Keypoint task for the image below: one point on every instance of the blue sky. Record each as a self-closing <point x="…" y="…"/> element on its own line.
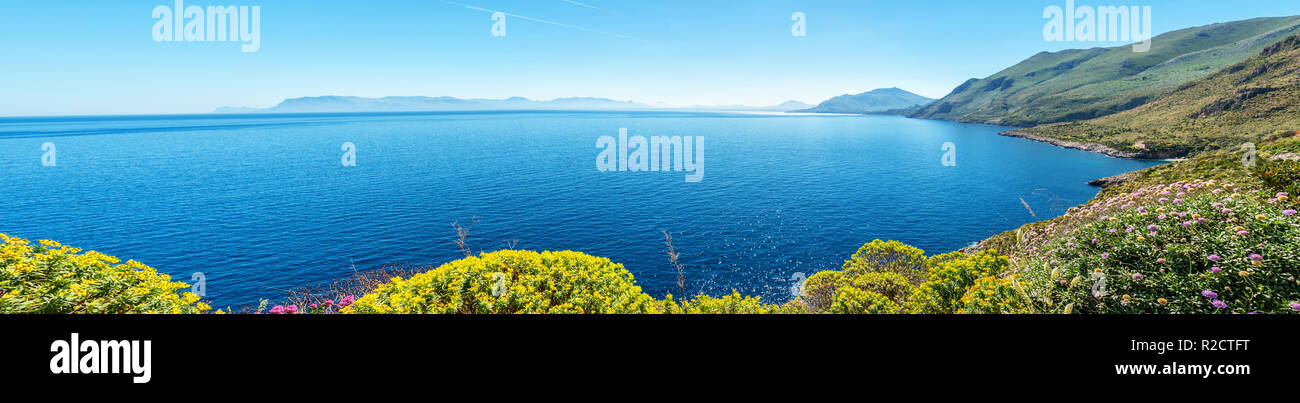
<point x="99" y="57"/>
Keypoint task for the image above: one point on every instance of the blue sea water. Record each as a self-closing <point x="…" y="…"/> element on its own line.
<point x="262" y="203"/>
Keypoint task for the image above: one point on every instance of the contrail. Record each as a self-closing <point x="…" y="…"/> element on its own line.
<point x="543" y="21"/>
<point x="582" y="5"/>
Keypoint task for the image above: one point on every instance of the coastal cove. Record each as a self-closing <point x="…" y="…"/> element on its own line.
<point x="261" y="204"/>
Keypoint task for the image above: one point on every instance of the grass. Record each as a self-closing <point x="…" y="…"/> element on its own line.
<point x="1252" y="101"/>
<point x="1082" y="84"/>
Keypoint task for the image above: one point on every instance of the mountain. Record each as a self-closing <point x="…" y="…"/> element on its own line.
<point x="332" y="103"/>
<point x="1255" y="100"/>
<point x="782" y="107"/>
<point x="877" y="100"/>
<point x="1082" y="84"/>
<point x="786" y="106"/>
<point x="417" y="104"/>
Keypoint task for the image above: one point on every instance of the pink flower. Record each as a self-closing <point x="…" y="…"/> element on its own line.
<point x="291" y="309"/>
<point x="1219" y="304"/>
<point x="1216" y="269"/>
<point x="1295" y="306"/>
<point x="278" y="310"/>
<point x="1160" y="260"/>
<point x="1288" y="212"/>
<point x="1214" y="258"/>
<point x="1256" y="257"/>
<point x="1137" y="276"/>
<point x="1243" y="232"/>
<point x="1209" y="294"/>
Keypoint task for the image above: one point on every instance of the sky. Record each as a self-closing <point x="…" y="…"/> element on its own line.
<point x="97" y="57"/>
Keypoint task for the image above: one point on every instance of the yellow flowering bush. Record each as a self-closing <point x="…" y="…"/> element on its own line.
<point x="890" y="277"/>
<point x="733" y="303"/>
<point x="948" y="282"/>
<point x="888" y="257"/>
<point x="52" y="278"/>
<point x="993" y="295"/>
<point x="513" y="281"/>
<point x="852" y="300"/>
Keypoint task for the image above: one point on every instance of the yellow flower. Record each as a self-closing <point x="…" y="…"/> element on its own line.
<point x="1162" y="301"/>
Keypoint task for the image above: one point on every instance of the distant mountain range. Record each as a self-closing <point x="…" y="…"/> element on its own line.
<point x="877" y="100"/>
<point x="335" y="104"/>
<point x="1081" y="84"/>
<point x="418" y="103"/>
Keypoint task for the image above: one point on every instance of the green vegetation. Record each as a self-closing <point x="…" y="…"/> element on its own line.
<point x="1252" y="101"/>
<point x="1212" y="206"/>
<point x="882" y="277"/>
<point x="877" y="100"/>
<point x="1082" y="84"/>
<point x="53" y="278"/>
<point x="1215" y="233"/>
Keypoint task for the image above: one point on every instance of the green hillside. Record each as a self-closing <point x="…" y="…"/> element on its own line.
<point x="1245" y="102"/>
<point x="877" y="100"/>
<point x="1082" y="84"/>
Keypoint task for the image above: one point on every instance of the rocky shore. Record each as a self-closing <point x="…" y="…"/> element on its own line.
<point x="1096" y="148"/>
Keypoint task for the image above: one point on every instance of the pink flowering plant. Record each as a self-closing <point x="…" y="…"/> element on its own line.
<point x="1219" y="249"/>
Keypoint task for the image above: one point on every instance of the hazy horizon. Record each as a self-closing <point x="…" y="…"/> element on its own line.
<point x="102" y="60"/>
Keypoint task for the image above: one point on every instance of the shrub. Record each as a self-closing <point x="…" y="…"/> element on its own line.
<point x="947" y="283"/>
<point x="733" y="303"/>
<point x="881" y="278"/>
<point x="511" y="281"/>
<point x="54" y="278"/>
<point x="879" y="269"/>
<point x="853" y="300"/>
<point x="1280" y="176"/>
<point x="888" y="257"/>
<point x="993" y="295"/>
<point x="1196" y="250"/>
